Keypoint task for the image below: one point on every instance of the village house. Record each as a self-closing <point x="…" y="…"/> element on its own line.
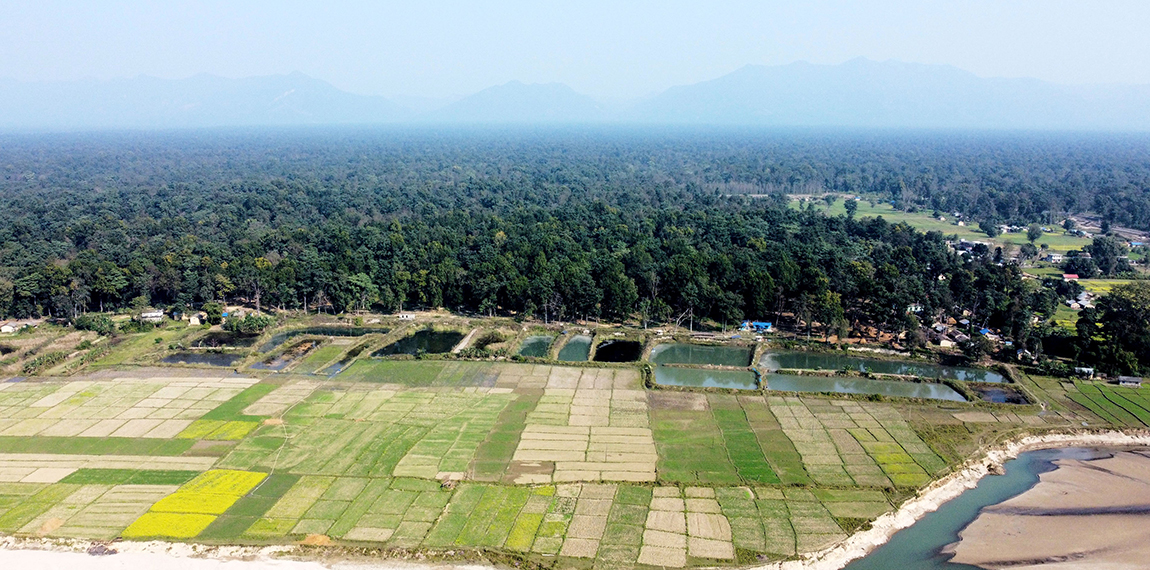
<point x="1130" y="381"/>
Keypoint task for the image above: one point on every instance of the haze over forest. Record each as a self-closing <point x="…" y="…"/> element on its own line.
<point x="859" y="93"/>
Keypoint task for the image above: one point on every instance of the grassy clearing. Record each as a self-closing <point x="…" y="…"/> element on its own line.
<point x="141" y="347"/>
<point x="409" y="373"/>
<point x="1057" y="241"/>
<point x="320" y="357"/>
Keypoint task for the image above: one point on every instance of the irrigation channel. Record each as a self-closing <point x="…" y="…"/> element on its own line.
<point x="919" y="546"/>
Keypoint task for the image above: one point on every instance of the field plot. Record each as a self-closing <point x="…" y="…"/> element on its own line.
<point x="190" y="509"/>
<point x="123" y="407"/>
<point x="586" y="434"/>
<point x="690" y="444"/>
<point x="367" y="430"/>
<point x="569" y="464"/>
<point x="1115" y="404"/>
<point x="845" y="443"/>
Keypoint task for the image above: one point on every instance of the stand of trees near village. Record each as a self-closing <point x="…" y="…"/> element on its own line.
<point x="614" y="225"/>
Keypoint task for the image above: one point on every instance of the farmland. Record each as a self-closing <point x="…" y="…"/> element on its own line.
<point x="579" y="465"/>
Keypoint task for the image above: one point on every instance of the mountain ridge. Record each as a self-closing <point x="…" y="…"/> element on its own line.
<point x="859" y="93"/>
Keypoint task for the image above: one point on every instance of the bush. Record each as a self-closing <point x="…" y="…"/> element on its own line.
<point x="44" y="361"/>
<point x="135" y="326"/>
<point x="249" y="325"/>
<point x="101" y="324"/>
<point x="214" y="313"/>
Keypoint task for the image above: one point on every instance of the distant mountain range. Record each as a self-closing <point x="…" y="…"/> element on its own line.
<point x="860" y="93"/>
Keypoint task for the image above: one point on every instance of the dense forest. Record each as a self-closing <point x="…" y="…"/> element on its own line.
<point x="616" y="225"/>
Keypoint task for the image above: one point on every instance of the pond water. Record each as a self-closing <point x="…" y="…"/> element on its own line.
<point x="619" y="351"/>
<point x="829" y="361"/>
<point x="216" y="339"/>
<point x="576" y="350"/>
<point x="343" y="362"/>
<point x="536" y="346"/>
<point x="705" y="378"/>
<point x="919" y="546"/>
<point x="282" y="360"/>
<point x="427" y="341"/>
<point x="683" y="353"/>
<point x="791" y="383"/>
<point x="1001" y="395"/>
<point x="279" y="338"/>
<point x="211" y="358"/>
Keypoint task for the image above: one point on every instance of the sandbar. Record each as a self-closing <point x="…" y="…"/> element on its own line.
<point x="1084" y="514"/>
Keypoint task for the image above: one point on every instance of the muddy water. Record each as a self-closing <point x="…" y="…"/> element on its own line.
<point x="427" y="341"/>
<point x="576" y="350"/>
<point x="211" y="358"/>
<point x="682" y="353"/>
<point x="535" y="346"/>
<point x="705" y="378"/>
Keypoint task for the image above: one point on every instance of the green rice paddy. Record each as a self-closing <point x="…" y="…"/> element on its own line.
<point x="576" y="466"/>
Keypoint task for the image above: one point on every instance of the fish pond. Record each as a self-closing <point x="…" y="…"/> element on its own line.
<point x="209" y="358"/>
<point x="619" y="351"/>
<point x="536" y="346"/>
<point x="705" y="378"/>
<point x="218" y="339"/>
<point x="280" y="338"/>
<point x="830" y="361"/>
<point x="919" y="547"/>
<point x="576" y="350"/>
<point x="282" y="360"/>
<point x="683" y="353"/>
<point x="928" y="390"/>
<point x="425" y="341"/>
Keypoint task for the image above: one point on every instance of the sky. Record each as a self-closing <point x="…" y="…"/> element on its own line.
<point x="609" y="49"/>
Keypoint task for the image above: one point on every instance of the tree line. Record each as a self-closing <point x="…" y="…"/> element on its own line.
<point x="558" y="226"/>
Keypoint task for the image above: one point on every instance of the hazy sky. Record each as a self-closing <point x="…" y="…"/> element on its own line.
<point x="611" y="49"/>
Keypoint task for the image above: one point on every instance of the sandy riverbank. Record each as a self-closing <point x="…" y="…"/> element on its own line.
<point x="1085" y="514"/>
<point x="934" y="495"/>
<point x="43" y="554"/>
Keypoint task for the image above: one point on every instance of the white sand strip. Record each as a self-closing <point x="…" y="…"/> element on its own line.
<point x="172" y="556"/>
